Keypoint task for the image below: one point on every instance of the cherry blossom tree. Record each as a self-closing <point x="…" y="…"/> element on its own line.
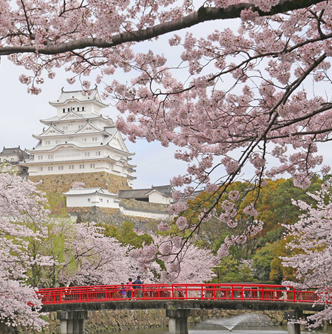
<point x="79" y="253"/>
<point x="311" y="237"/>
<point x="20" y="203"/>
<point x="91" y="258"/>
<point x="227" y="97"/>
<point x="182" y="262"/>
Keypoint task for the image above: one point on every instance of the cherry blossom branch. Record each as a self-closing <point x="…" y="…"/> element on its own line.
<point x="202" y="15"/>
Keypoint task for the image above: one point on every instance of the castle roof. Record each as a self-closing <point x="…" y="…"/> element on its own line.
<point x="79" y="96"/>
<point x="79" y="145"/>
<point x="15" y="151"/>
<point x="74" y="116"/>
<point x="89" y="191"/>
<point x="166" y="190"/>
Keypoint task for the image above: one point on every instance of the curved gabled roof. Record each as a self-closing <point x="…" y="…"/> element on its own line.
<point x="47" y="132"/>
<point x="85" y="127"/>
<point x="75" y="116"/>
<point x="89" y="191"/>
<point x="80" y="146"/>
<point x="91" y="95"/>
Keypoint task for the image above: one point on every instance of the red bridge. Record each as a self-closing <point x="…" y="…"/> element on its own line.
<point x="73" y="303"/>
<point x="102" y="293"/>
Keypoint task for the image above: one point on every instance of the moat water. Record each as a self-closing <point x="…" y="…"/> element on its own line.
<point x="240" y="324"/>
<point x="195" y="330"/>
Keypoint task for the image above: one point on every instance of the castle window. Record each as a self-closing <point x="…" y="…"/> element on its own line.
<point x="84" y="139"/>
<point x="82" y="108"/>
<point x="88" y="199"/>
<point x="41" y="169"/>
<point x="98" y="153"/>
<point x="50" y="156"/>
<point x="63" y="110"/>
<point x="68" y="109"/>
<point x="100" y="199"/>
<point x="40" y="157"/>
<point x="92" y="166"/>
<point x="94" y="138"/>
<point x="71" y="166"/>
<point x="60" y="167"/>
<point x="50" y="168"/>
<point x="81" y="166"/>
<point x="107" y="201"/>
<point x="78" y="108"/>
<point x="65" y="127"/>
<point x="87" y="154"/>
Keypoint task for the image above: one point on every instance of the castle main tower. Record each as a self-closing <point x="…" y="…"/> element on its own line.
<point x="80" y="144"/>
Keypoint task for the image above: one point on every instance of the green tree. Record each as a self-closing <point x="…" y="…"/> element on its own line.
<point x="126" y="234"/>
<point x="262" y="262"/>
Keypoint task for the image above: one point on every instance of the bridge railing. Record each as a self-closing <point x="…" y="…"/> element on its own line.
<point x="102" y="293"/>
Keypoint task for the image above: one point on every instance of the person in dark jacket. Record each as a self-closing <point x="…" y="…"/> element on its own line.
<point x="284" y="289"/>
<point x="138" y="286"/>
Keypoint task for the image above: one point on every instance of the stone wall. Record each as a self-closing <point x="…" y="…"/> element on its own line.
<point x="112" y="216"/>
<point x="132" y="203"/>
<point x="62" y="182"/>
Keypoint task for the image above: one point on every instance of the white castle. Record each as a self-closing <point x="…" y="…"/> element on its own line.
<point x="79" y="139"/>
<point x="79" y="144"/>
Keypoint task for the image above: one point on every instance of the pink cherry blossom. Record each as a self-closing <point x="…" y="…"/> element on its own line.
<point x="311" y="238"/>
<point x="163" y="227"/>
<point x="233" y="195"/>
<point x="250" y="210"/>
<point x="181" y="222"/>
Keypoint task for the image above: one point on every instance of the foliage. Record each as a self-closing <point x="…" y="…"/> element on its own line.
<point x="274" y="206"/>
<point x="126" y="235"/>
<point x="262" y="262"/>
<point x="56" y="204"/>
<point x="234" y="270"/>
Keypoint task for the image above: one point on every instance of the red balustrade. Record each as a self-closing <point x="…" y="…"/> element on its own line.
<point x="102" y="293"/>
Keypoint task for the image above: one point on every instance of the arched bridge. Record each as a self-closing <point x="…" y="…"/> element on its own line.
<point x="73" y="303"/>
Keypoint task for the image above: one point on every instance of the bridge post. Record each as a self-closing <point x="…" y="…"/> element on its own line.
<point x="291" y="316"/>
<point x="178" y="320"/>
<point x="293" y="328"/>
<point x="72" y="322"/>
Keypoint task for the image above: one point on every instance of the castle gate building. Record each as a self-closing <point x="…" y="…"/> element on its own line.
<point x="80" y="144"/>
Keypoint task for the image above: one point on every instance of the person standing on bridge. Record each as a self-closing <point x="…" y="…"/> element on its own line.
<point x="284" y="289"/>
<point x="129" y="288"/>
<point x="123" y="291"/>
<point x="138" y="286"/>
